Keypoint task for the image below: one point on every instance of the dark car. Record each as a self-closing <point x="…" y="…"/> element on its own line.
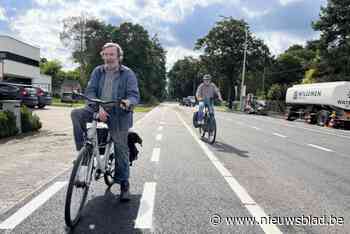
<point x="186" y="101"/>
<point x="191" y="100"/>
<point x="27" y="94"/>
<point x="68" y="97"/>
<point x="44" y="98"/>
<point x="182" y="101"/>
<point x="9" y="92"/>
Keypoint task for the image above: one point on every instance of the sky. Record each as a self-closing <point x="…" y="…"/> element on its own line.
<point x="178" y="23"/>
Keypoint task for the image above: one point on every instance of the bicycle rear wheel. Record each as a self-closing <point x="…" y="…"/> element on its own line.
<point x="109" y="175"/>
<point x="78" y="187"/>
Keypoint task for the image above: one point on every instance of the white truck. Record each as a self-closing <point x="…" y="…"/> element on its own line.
<point x="320" y="103"/>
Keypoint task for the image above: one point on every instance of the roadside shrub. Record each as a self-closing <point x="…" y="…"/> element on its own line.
<point x="7" y="124"/>
<point x="29" y="121"/>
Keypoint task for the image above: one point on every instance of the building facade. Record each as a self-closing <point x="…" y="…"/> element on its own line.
<point x="19" y="63"/>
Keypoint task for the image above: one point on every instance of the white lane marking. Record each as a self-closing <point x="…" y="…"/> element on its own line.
<point x="260" y="213"/>
<point x="160" y="128"/>
<point x="241" y="193"/>
<point x="162" y="123"/>
<point x="320" y="147"/>
<point x="159" y="137"/>
<point x="256" y="128"/>
<point x="223" y="171"/>
<point x="145" y="214"/>
<point x="279" y="135"/>
<point x="155" y="155"/>
<point x="30" y="207"/>
<point x="284" y="123"/>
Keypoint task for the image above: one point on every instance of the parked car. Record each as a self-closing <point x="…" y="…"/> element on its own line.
<point x="186" y="101"/>
<point x="44" y="98"/>
<point x="8" y="91"/>
<point x="182" y="101"/>
<point x="191" y="100"/>
<point x="27" y="94"/>
<point x="68" y="97"/>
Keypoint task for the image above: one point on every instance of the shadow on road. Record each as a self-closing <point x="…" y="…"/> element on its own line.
<point x="106" y="214"/>
<point x="223" y="147"/>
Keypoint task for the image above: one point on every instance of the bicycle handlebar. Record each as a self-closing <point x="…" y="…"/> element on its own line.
<point x="118" y="102"/>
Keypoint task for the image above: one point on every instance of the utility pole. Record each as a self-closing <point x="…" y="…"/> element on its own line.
<point x="243" y="72"/>
<point x="2" y="58"/>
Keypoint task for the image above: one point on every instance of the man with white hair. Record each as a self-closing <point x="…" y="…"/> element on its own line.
<point x="111" y="81"/>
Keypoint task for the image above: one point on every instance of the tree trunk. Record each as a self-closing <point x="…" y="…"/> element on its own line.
<point x="230" y="96"/>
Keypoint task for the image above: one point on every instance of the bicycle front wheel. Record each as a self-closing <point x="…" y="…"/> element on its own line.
<point x="110" y="170"/>
<point x="212" y="131"/>
<point x="78" y="187"/>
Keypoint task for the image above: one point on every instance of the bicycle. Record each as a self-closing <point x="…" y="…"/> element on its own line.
<point x="96" y="157"/>
<point x="209" y="126"/>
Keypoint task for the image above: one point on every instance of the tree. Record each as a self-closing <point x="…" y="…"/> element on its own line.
<point x="334" y="24"/>
<point x="287" y="69"/>
<point x="73" y="36"/>
<point x="277" y="92"/>
<point x="184" y="77"/>
<point x="54" y="69"/>
<point x="146" y="57"/>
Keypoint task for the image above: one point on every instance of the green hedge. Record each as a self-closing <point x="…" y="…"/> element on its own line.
<point x="29" y="121"/>
<point x="7" y="124"/>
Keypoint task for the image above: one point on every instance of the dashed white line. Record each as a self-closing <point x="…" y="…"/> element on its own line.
<point x="284" y="123"/>
<point x="30" y="207"/>
<point x="320" y="147"/>
<point x="279" y="135"/>
<point x="160" y="128"/>
<point x="254" y="209"/>
<point x="155" y="155"/>
<point x="159" y="137"/>
<point x="145" y="214"/>
<point x="256" y="128"/>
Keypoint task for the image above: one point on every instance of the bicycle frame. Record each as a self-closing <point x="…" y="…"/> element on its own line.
<point x="101" y="160"/>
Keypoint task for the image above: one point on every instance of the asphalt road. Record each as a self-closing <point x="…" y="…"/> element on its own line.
<point x="287" y="177"/>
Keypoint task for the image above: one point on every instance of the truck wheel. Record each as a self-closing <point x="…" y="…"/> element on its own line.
<point x="310" y="118"/>
<point x="322" y="117"/>
<point x="288" y="116"/>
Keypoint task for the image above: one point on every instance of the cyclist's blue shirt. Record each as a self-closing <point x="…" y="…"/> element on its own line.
<point x="125" y="88"/>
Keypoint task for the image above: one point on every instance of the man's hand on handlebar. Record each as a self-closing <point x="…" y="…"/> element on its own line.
<point x="125" y="104"/>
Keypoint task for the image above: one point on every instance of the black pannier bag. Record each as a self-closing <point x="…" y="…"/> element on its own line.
<point x="133" y="139"/>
